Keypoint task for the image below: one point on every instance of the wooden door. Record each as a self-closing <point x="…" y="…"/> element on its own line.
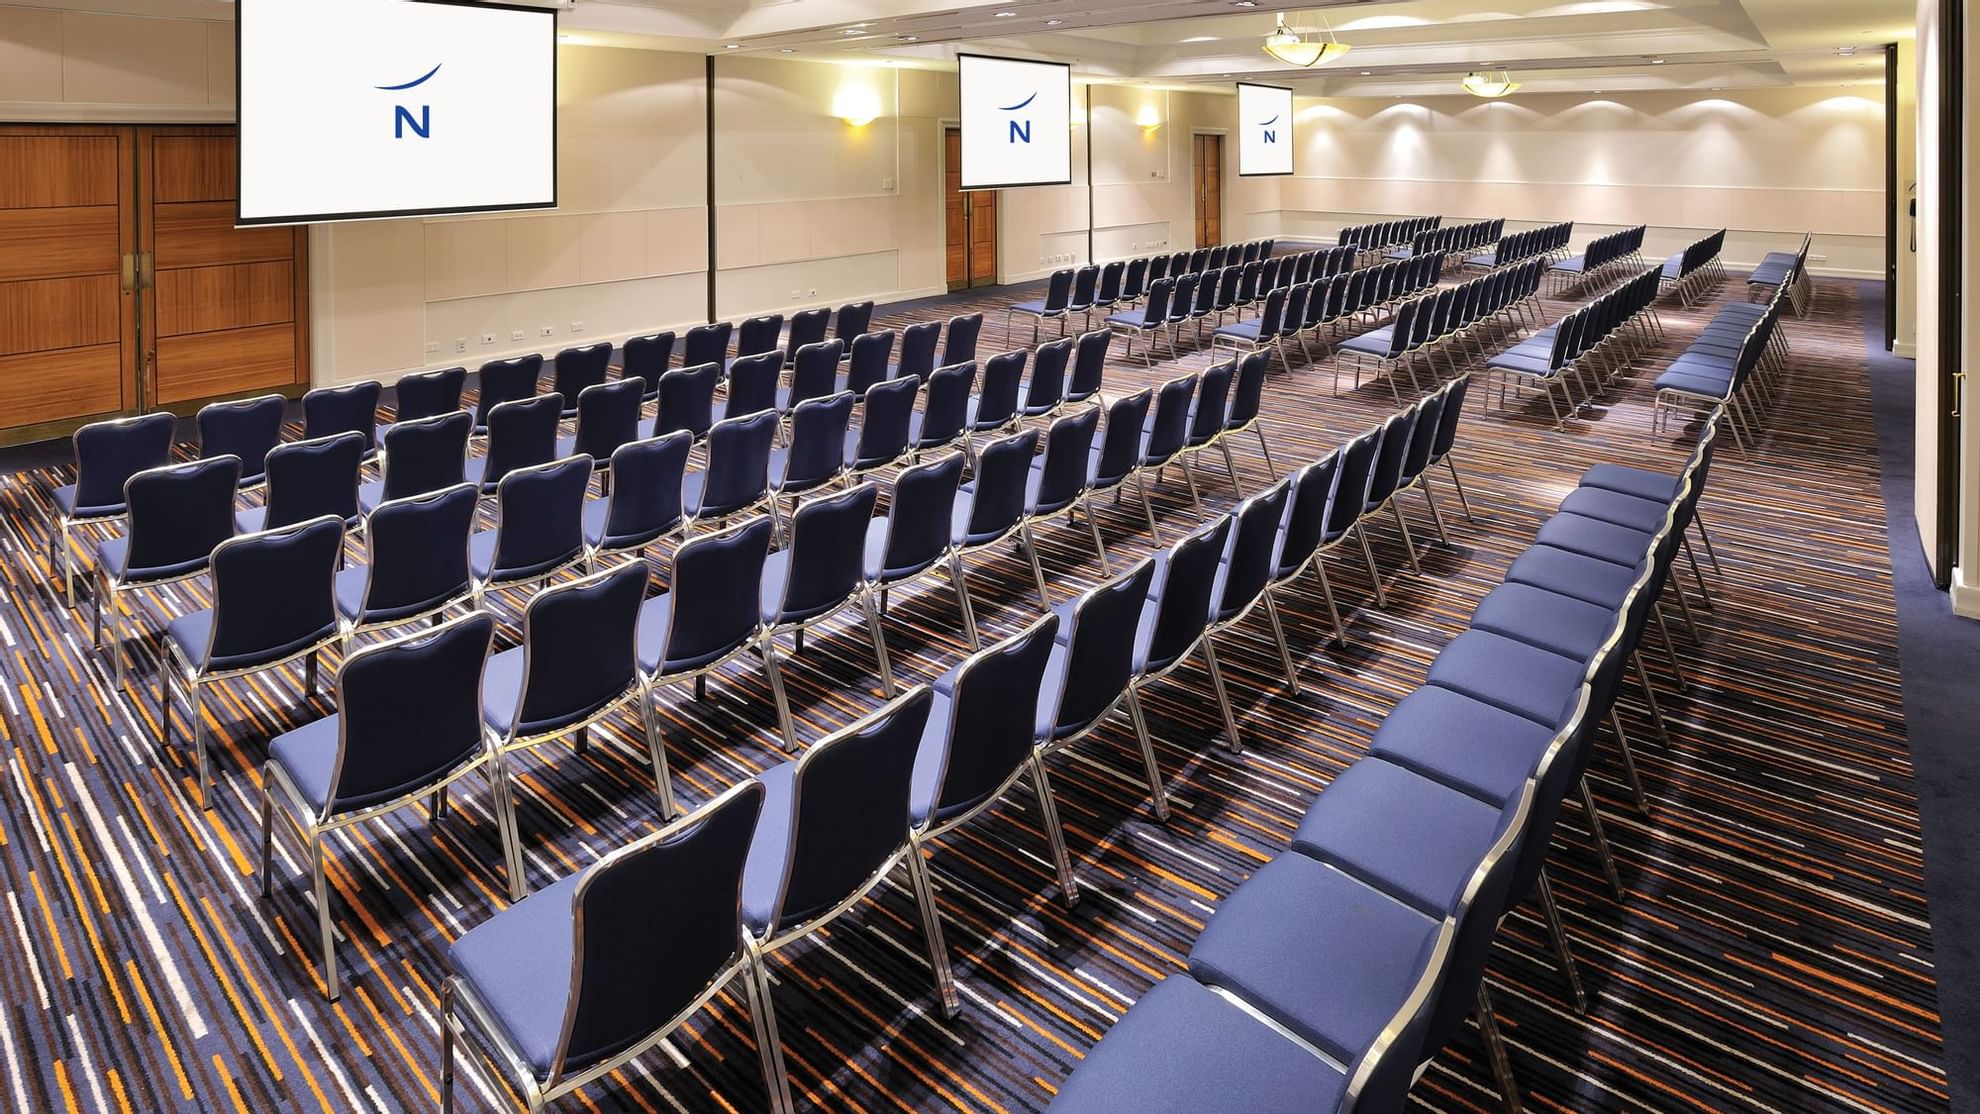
<point x="225" y="308"/>
<point x="1208" y="161"/>
<point x="68" y="306"/>
<point x="970" y="222"/>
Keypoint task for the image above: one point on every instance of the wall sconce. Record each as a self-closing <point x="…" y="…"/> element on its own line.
<point x="857" y="105"/>
<point x="1148" y="119"/>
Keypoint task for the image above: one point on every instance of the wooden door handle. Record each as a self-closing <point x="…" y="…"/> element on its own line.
<point x="128" y="266"/>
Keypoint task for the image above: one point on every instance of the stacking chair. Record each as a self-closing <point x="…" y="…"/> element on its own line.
<point x="1304" y="530"/>
<point x="994" y="407"/>
<point x="991" y="508"/>
<point x="420" y="456"/>
<point x="1148" y="321"/>
<point x="646" y="358"/>
<point x="944" y="413"/>
<point x="1207" y="415"/>
<point x="1163" y="436"/>
<point x="1046" y="390"/>
<point x="577" y="664"/>
<point x="916" y="536"/>
<point x="1229" y="281"/>
<point x="521" y="434"/>
<point x="177" y="514"/>
<point x="1135" y="280"/>
<point x="1416" y="461"/>
<point x="607" y="417"/>
<point x="866" y="361"/>
<point x="855" y="320"/>
<point x="407" y="725"/>
<point x="886" y="414"/>
<point x="1109" y="293"/>
<point x="710" y="614"/>
<point x="500" y="381"/>
<point x="1057" y="484"/>
<point x="539" y="527"/>
<point x="246" y="430"/>
<point x="1257" y="333"/>
<point x="834" y="829"/>
<point x="707" y="344"/>
<point x="1087" y="676"/>
<point x="1181" y="300"/>
<point x="814" y="374"/>
<point x="416" y="561"/>
<point x="571" y="984"/>
<point x="687" y="401"/>
<point x="760" y="335"/>
<point x="1205" y="302"/>
<point x="644" y="504"/>
<point x="815" y="458"/>
<point x="737" y="479"/>
<point x="427" y="394"/>
<point x="959" y="346"/>
<point x="819" y="574"/>
<point x="1384" y="482"/>
<point x="1054" y="306"/>
<point x="1089" y="367"/>
<point x="107" y="455"/>
<point x="918" y="343"/>
<point x="272" y="603"/>
<point x="1085" y="289"/>
<point x="1117" y="457"/>
<point x="1175" y="618"/>
<point x="978" y="743"/>
<point x="808" y="327"/>
<point x="328" y="411"/>
<point x="1243" y="581"/>
<point x="752" y="383"/>
<point x="309" y="479"/>
<point x="1247" y="397"/>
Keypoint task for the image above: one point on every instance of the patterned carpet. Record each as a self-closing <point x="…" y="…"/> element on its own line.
<point x="1774" y="952"/>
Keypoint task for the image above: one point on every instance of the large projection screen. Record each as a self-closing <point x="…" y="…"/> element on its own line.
<point x="357" y="109"/>
<point x="1016" y="122"/>
<point x="1265" y="130"/>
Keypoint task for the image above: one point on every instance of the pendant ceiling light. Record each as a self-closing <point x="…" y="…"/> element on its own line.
<point x="1302" y="48"/>
<point x="1489" y="84"/>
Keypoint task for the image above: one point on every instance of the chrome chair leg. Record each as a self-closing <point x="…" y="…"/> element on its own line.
<point x="1650" y="698"/>
<point x="931" y="927"/>
<point x="768" y="647"/>
<point x="879" y="643"/>
<point x="1158" y="793"/>
<point x="1600" y="837"/>
<point x="447" y="1046"/>
<point x="1629" y="763"/>
<point x="1495" y="1049"/>
<point x="959" y="575"/>
<point x="1551" y="913"/>
<point x="322" y="884"/>
<point x="1285" y="652"/>
<point x="1368" y="553"/>
<point x="1048" y="814"/>
<point x="656" y="746"/>
<point x="1409" y="544"/>
<point x="1236" y="745"/>
<point x="1030" y="546"/>
<point x="763" y="1015"/>
<point x="1327" y="592"/>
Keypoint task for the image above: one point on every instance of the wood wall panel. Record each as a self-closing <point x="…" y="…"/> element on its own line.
<point x="193" y="168"/>
<point x="51" y="386"/>
<point x="203" y="365"/>
<point x="198" y="233"/>
<point x="203" y="299"/>
<point x="54" y="171"/>
<point x="40" y="314"/>
<point x="44" y="243"/>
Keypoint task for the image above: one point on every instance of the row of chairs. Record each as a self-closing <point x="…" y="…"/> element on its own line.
<point x="1326" y="302"/>
<point x="1384" y="235"/>
<point x="1742" y="347"/>
<point x="1601" y="338"/>
<point x="1453" y="316"/>
<point x="1696" y="270"/>
<point x="1233" y="288"/>
<point x="1329" y="979"/>
<point x="1173" y="302"/>
<point x="1454" y="239"/>
<point x="1519" y="247"/>
<point x="1603" y="255"/>
<point x="1789" y="269"/>
<point x="1101" y="288"/>
<point x="780" y="857"/>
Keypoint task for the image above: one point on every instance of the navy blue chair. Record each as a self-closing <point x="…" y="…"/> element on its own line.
<point x="855" y="320"/>
<point x="918" y="343"/>
<point x="577" y="664"/>
<point x="308" y="479"/>
<point x="1416" y="461"/>
<point x="737" y="479"/>
<point x="427" y="394"/>
<point x="991" y="508"/>
<point x="819" y="574"/>
<point x="107" y="455"/>
<point x="177" y="515"/>
<point x="866" y="359"/>
<point x="886" y="417"/>
<point x="1440" y="448"/>
<point x="808" y="327"/>
<point x="500" y="381"/>
<point x="1057" y="483"/>
<point x="711" y="612"/>
<point x="1345" y="513"/>
<point x="1163" y="437"/>
<point x="247" y="430"/>
<point x="1089" y="367"/>
<point x="1242" y="585"/>
<point x="959" y="347"/>
<point x="760" y="335"/>
<point x="1054" y="306"/>
<point x="407" y="725"/>
<point x="687" y="401"/>
<point x="994" y="407"/>
<point x="752" y="383"/>
<point x="978" y="743"/>
<point x="816" y="457"/>
<point x="1175" y="618"/>
<point x="1305" y="529"/>
<point x="834" y="828"/>
<point x="916" y="537"/>
<point x="1117" y="457"/>
<point x="1109" y="293"/>
<point x="607" y="417"/>
<point x="571" y="984"/>
<point x="1134" y="281"/>
<point x="521" y="434"/>
<point x="647" y="358"/>
<point x="944" y="413"/>
<point x="539" y="527"/>
<point x="644" y="504"/>
<point x="707" y="344"/>
<point x="1087" y="676"/>
<point x="1207" y="412"/>
<point x="351" y="408"/>
<point x="1085" y="290"/>
<point x="1247" y="401"/>
<point x="814" y="374"/>
<point x="1384" y="482"/>
<point x="272" y="603"/>
<point x="419" y="457"/>
<point x="416" y="561"/>
<point x="1149" y="320"/>
<point x="1046" y="390"/>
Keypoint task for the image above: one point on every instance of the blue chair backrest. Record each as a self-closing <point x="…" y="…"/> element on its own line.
<point x="738" y="463"/>
<point x="608" y="416"/>
<point x="521" y="434"/>
<point x="920" y="513"/>
<point x="1171" y="420"/>
<point x="109" y="453"/>
<point x="917" y="350"/>
<point x="1120" y="447"/>
<point x="1227" y="287"/>
<point x="1182" y="611"/>
<point x="817" y="452"/>
<point x="655" y="923"/>
<point x="327" y="411"/>
<point x="945" y="410"/>
<point x="416" y="551"/>
<point x="409" y="711"/>
<point x="1134" y="281"/>
<point x="1247" y="390"/>
<point x="1048" y="376"/>
<point x="1089" y="368"/>
<point x="1156" y="309"/>
<point x="855" y="320"/>
<point x="827" y="555"/>
<point x="1086" y="281"/>
<point x="501" y="381"/>
<point x="1058" y="290"/>
<point x="990" y="734"/>
<point x="311" y="478"/>
<point x="1182" y="297"/>
<point x="1099" y="646"/>
<point x="753" y="382"/>
<point x="180" y="512"/>
<point x="1213" y="396"/>
<point x="851" y="810"/>
<point x="886" y="411"/>
<point x="997" y="396"/>
<point x="1110" y="283"/>
<point x="579" y="648"/>
<point x="247" y="429"/>
<point x="815" y="370"/>
<point x="426" y="455"/>
<point x="1306" y="520"/>
<point x="646" y="488"/>
<point x="1252" y="548"/>
<point x="1357" y="472"/>
<point x="717" y="586"/>
<point x="759" y="334"/>
<point x="1387" y="472"/>
<point x="1206" y="294"/>
<point x="960" y="347"/>
<point x="272" y="591"/>
<point x="687" y="399"/>
<point x="1423" y="436"/>
<point x="1062" y="469"/>
<point x="808" y="327"/>
<point x="646" y="359"/>
<point x="428" y="393"/>
<point x="707" y="344"/>
<point x="1272" y="315"/>
<point x="1001" y="471"/>
<point x="540" y="523"/>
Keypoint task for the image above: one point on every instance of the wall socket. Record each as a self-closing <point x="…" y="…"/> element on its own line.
<point x="577" y="326"/>
<point x="432" y="347"/>
<point x="460" y="345"/>
<point x="517" y="335"/>
<point x="488" y="338"/>
<point x="548" y="331"/>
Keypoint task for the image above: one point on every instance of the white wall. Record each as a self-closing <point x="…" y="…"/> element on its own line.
<point x="60" y="66"/>
<point x="1766" y="164"/>
<point x="1926" y="398"/>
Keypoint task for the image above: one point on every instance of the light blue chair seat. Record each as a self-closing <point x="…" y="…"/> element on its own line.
<point x="1573" y="574"/>
<point x="1522" y="679"/>
<point x="1633" y="511"/>
<point x="1594" y="538"/>
<point x="1409" y="835"/>
<point x="1478" y="748"/>
<point x="520" y="966"/>
<point x="1640" y="482"/>
<point x="1554" y="622"/>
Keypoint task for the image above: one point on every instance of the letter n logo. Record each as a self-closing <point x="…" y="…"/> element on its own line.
<point x="403" y="119"/>
<point x="1271" y="137"/>
<point x="1020" y="131"/>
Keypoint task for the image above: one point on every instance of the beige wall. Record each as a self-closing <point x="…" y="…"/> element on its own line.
<point x="1905" y="336"/>
<point x="1926" y="399"/>
<point x="1966" y="571"/>
<point x="66" y="66"/>
<point x="1766" y="164"/>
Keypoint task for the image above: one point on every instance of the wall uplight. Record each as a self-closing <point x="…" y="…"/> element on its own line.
<point x="857" y="105"/>
<point x="1148" y="119"/>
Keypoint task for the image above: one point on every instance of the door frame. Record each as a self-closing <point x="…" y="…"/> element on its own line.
<point x="1952" y="238"/>
<point x="996" y="242"/>
<point x="1222" y="134"/>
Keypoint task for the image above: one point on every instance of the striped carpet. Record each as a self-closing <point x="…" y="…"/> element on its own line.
<point x="1774" y="951"/>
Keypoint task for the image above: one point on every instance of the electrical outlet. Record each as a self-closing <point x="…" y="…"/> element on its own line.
<point x="814" y="292"/>
<point x="549" y="331"/>
<point x="887" y="185"/>
<point x="432" y="347"/>
<point x="488" y="338"/>
<point x="517" y="336"/>
<point x="460" y="345"/>
<point x="577" y="326"/>
<point x="796" y="294"/>
<point x="1818" y="258"/>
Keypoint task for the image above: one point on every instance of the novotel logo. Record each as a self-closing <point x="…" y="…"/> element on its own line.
<point x="1270" y="135"/>
<point x="1020" y="129"/>
<point x="403" y="119"/>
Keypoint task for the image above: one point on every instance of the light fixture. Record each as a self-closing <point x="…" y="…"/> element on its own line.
<point x="1489" y="84"/>
<point x="1148" y="119"/>
<point x="1298" y="48"/>
<point x="1656" y="61"/>
<point x="731" y="46"/>
<point x="786" y="50"/>
<point x="1053" y="22"/>
<point x="857" y="105"/>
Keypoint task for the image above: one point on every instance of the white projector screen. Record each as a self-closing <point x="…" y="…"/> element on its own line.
<point x="355" y="109"/>
<point x="1016" y="122"/>
<point x="1265" y="130"/>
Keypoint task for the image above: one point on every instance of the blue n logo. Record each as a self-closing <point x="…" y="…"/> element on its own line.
<point x="1020" y="129"/>
<point x="402" y="116"/>
<point x="1270" y="135"/>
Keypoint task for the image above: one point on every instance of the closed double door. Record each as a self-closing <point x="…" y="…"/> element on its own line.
<point x="970" y="221"/>
<point x="124" y="285"/>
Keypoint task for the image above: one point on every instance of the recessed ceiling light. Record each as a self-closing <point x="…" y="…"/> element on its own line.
<point x="1003" y="15"/>
<point x="785" y="50"/>
<point x="1053" y="22"/>
<point x="1656" y="61"/>
<point x="852" y="31"/>
<point x="1365" y="73"/>
<point x="1244" y="3"/>
<point x="731" y="46"/>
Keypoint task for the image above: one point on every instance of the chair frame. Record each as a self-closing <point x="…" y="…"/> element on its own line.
<point x="60" y="525"/>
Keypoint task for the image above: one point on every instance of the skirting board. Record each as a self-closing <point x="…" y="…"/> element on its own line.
<point x="1965" y="595"/>
<point x="1904" y="350"/>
